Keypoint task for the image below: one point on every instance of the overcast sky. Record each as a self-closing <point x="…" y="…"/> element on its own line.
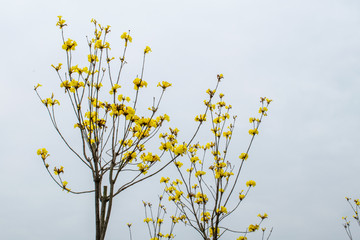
<point x="304" y="54"/>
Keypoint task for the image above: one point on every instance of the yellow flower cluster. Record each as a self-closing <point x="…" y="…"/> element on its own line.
<point x="253" y="131"/>
<point x="149" y="157"/>
<point x="78" y="70"/>
<point x="173" y="192"/>
<point x="264" y="216"/>
<point x="117" y="110"/>
<point x="93" y="58"/>
<point x="147" y="50"/>
<point x="126" y="37"/>
<point x="91" y="123"/>
<point x="130" y="155"/>
<point x="241" y="196"/>
<point x="60" y="22"/>
<point x="65" y="183"/>
<point x="244" y="156"/>
<point x="250" y="183"/>
<point x="73" y="85"/>
<point x="97" y="103"/>
<point x="58" y="67"/>
<point x="212" y="231"/>
<point x="69" y="45"/>
<point x="139" y="83"/>
<point x="164" y="85"/>
<point x="100" y="45"/>
<point x="201" y="198"/>
<point x="57" y="171"/>
<point x="199" y="173"/>
<point x="122" y="98"/>
<point x="200" y="118"/>
<point x="164" y="180"/>
<point x="205" y="216"/>
<point x="222" y="210"/>
<point x="114" y="89"/>
<point x="50" y="102"/>
<point x="143" y="168"/>
<point x="241" y="238"/>
<point x="253" y="228"/>
<point x="180" y="149"/>
<point x="43" y="153"/>
<point x="147" y="220"/>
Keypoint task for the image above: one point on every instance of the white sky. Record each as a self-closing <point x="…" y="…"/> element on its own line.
<point x="304" y="54"/>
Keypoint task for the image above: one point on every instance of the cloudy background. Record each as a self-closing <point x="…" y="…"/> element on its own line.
<point x="304" y="54"/>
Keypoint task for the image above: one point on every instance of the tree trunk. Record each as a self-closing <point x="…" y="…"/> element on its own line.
<point x="97" y="209"/>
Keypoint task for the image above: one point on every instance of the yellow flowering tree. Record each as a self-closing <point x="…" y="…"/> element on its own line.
<point x="113" y="136"/>
<point x="207" y="179"/>
<point x="355" y="208"/>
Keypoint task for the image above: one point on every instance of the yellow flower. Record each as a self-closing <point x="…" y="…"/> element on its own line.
<point x="210" y="92"/>
<point x="253" y="228"/>
<point x="253" y="131"/>
<point x="227" y="134"/>
<point x="165" y="180"/>
<point x="64" y="186"/>
<point x="222" y="210"/>
<point x="147" y="50"/>
<point x="92" y="58"/>
<point x="263" y="216"/>
<point x="200" y="118"/>
<point x="57" y="171"/>
<point x="205" y="216"/>
<point x="268" y="100"/>
<point x="98" y="44"/>
<point x="139" y="83"/>
<point x="166" y="146"/>
<point x="178" y="164"/>
<point x="263" y="109"/>
<point x="241" y="238"/>
<point x="114" y="88"/>
<point x="212" y="231"/>
<point x="250" y="183"/>
<point x="201" y="198"/>
<point x="244" y="156"/>
<point x="123" y="98"/>
<point x="58" y="67"/>
<point x="69" y="45"/>
<point x="38" y="85"/>
<point x="50" y="102"/>
<point x="60" y="22"/>
<point x="199" y="173"/>
<point x="160" y="221"/>
<point x="75" y="85"/>
<point x="241" y="196"/>
<point x="43" y="152"/>
<point x="126" y="37"/>
<point x="251" y="120"/>
<point x="143" y="168"/>
<point x="147" y="220"/>
<point x="180" y="149"/>
<point x="164" y="84"/>
<point x="194" y="159"/>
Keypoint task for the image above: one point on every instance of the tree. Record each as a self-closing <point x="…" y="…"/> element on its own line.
<point x="113" y="136"/>
<point x="203" y="191"/>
